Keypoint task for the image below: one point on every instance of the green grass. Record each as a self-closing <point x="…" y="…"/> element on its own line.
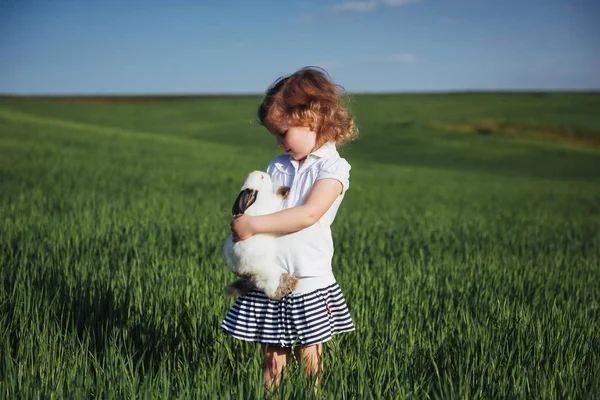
<point x="470" y="263"/>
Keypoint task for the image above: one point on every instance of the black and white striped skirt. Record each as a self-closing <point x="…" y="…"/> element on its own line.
<point x="296" y="320"/>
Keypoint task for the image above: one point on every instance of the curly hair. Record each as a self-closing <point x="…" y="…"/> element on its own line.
<point x="308" y="98"/>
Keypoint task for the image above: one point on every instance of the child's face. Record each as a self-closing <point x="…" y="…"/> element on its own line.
<point x="297" y="141"/>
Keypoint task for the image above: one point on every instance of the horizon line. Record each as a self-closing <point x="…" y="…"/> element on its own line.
<point x="167" y="95"/>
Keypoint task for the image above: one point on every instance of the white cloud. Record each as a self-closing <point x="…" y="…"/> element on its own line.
<point x="449" y="21"/>
<point x="398" y="3"/>
<point x="356" y="6"/>
<point x="367" y="6"/>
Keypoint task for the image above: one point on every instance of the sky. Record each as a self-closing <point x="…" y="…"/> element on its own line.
<point x="108" y="47"/>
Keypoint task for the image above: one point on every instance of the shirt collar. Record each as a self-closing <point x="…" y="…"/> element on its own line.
<point x="325" y="150"/>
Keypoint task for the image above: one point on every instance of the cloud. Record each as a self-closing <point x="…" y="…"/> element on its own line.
<point x="449" y="21"/>
<point x="367" y="6"/>
<point x="356" y="6"/>
<point x="398" y="3"/>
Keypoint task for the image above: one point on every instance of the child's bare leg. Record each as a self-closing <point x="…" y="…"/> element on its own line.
<point x="276" y="359"/>
<point x="312" y="361"/>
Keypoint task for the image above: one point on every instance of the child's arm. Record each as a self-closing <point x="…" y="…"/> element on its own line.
<point x="321" y="197"/>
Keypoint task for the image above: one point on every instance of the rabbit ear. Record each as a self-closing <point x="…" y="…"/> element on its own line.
<point x="245" y="199"/>
<point x="283" y="191"/>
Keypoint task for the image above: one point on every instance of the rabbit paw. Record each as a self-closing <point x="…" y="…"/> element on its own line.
<point x="287" y="284"/>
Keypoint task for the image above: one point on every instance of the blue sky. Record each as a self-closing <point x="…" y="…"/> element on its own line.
<point x="177" y="46"/>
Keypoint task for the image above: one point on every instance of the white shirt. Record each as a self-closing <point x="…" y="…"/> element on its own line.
<point x="308" y="253"/>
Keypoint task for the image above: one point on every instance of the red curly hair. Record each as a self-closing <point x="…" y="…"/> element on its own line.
<point x="308" y="98"/>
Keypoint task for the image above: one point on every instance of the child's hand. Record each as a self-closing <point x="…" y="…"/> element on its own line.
<point x="241" y="227"/>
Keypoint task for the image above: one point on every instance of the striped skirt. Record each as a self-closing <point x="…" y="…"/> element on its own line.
<point x="296" y="320"/>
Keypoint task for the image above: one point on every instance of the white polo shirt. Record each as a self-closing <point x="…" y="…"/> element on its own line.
<point x="308" y="253"/>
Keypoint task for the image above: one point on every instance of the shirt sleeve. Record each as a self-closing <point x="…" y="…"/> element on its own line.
<point x="338" y="170"/>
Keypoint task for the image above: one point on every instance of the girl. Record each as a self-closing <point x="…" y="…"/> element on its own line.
<point x="304" y="112"/>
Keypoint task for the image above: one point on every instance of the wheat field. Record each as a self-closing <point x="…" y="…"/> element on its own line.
<point x="467" y="247"/>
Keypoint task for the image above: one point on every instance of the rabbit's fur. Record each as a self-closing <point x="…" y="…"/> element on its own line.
<point x="253" y="259"/>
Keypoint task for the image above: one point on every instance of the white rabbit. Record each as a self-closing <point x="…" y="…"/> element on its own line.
<point x="253" y="259"/>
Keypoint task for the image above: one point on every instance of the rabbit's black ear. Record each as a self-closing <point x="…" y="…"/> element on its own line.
<point x="245" y="199"/>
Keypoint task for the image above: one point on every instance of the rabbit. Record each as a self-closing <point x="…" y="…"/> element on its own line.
<point x="253" y="259"/>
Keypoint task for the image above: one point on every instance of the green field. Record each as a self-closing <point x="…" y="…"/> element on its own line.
<point x="468" y="248"/>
